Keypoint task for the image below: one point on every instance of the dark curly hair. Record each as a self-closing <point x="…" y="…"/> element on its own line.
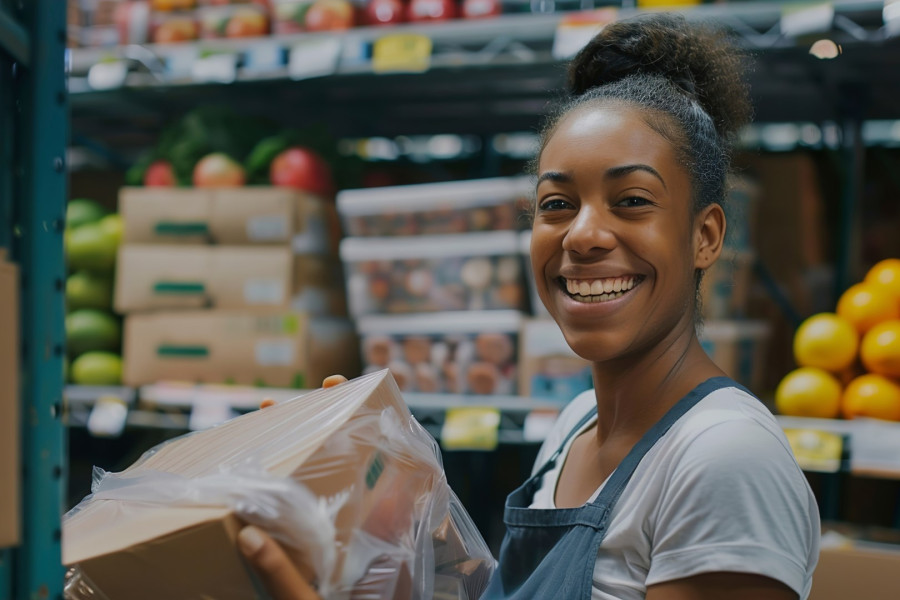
<point x="687" y="79"/>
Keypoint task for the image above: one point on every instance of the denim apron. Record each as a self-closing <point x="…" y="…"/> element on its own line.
<point x="551" y="553"/>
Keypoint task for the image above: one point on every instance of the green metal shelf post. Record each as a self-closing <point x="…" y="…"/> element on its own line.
<point x="34" y="126"/>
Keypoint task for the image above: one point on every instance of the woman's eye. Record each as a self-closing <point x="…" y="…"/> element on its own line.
<point x="554" y="204"/>
<point x="634" y="202"/>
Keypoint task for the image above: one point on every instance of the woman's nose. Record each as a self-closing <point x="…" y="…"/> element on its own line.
<point x="590" y="231"/>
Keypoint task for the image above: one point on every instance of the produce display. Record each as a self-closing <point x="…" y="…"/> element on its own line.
<point x="93" y="332"/>
<point x="474" y="271"/>
<point x="850" y="360"/>
<point x="472" y="352"/>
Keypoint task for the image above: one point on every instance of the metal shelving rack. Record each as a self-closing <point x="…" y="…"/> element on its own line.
<point x="34" y="126"/>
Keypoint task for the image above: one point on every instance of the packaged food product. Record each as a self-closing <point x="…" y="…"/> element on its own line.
<point x="437" y="208"/>
<point x="548" y="367"/>
<point x="471" y="352"/>
<point x="174" y="27"/>
<point x="473" y="271"/>
<point x="345" y="479"/>
<point x="234" y="21"/>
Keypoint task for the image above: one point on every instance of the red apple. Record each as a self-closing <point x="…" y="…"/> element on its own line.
<point x="385" y="12"/>
<point x="247" y="23"/>
<point x="432" y="10"/>
<point x="159" y="174"/>
<point x="218" y="170"/>
<point x="479" y="9"/>
<point x="330" y="15"/>
<point x="302" y="169"/>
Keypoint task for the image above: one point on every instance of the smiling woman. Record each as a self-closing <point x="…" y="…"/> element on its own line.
<point x="668" y="481"/>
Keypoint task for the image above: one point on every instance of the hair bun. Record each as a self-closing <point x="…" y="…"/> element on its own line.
<point x="697" y="59"/>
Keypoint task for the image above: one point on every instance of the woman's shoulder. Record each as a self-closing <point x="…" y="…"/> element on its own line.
<point x="568" y="419"/>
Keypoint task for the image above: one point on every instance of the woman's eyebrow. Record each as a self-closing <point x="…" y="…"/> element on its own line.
<point x="554" y="176"/>
<point x="622" y="171"/>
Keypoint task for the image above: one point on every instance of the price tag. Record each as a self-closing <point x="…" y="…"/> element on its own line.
<point x="108" y="417"/>
<point x="816" y="450"/>
<point x="891" y="16"/>
<point x="796" y="21"/>
<point x="470" y="429"/>
<point x="576" y="30"/>
<point x="538" y="424"/>
<point x="217" y="68"/>
<point x="209" y="411"/>
<point x="107" y="75"/>
<point x="314" y="58"/>
<point x="261" y="58"/>
<point x="402" y="53"/>
<point x="180" y="61"/>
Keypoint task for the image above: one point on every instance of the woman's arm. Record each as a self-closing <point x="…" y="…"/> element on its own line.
<point x="715" y="586"/>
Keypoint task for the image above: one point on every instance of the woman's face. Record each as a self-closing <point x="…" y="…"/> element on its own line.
<point x="615" y="242"/>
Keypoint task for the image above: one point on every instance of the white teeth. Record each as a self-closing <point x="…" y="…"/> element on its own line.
<point x="617" y="286"/>
<point x="585" y="288"/>
<point x="597" y="288"/>
<point x="608" y="285"/>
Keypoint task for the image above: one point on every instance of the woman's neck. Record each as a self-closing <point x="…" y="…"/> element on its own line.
<point x="633" y="393"/>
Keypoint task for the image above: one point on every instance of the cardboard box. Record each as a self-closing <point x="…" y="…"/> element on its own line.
<point x="167" y="277"/>
<point x="864" y="571"/>
<point x="231" y="216"/>
<point x="272" y="348"/>
<point x="332" y="441"/>
<point x="10" y="509"/>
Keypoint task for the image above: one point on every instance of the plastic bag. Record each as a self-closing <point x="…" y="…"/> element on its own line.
<point x="345" y="479"/>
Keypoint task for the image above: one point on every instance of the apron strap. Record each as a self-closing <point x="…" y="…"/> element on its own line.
<point x="552" y="460"/>
<point x="622" y="475"/>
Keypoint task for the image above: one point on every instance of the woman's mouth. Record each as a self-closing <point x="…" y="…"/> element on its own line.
<point x="590" y="291"/>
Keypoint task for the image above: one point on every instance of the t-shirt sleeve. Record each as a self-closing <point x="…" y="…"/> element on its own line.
<point x="735" y="501"/>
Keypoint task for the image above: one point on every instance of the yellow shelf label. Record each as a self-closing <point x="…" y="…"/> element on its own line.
<point x="816" y="450"/>
<point x="402" y="53"/>
<point x="470" y="429"/>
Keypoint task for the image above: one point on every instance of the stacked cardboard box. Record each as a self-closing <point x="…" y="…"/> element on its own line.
<point x="231" y="285"/>
<point x="9" y="404"/>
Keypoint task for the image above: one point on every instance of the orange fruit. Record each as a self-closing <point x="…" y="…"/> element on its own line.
<point x="809" y="392"/>
<point x="867" y="305"/>
<point x="872" y="396"/>
<point x="826" y="341"/>
<point x="886" y="274"/>
<point x="880" y="350"/>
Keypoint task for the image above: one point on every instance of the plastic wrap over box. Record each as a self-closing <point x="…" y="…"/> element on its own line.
<point x="345" y="479"/>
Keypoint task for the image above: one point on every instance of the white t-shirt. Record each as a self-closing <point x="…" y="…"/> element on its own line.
<point x="721" y="491"/>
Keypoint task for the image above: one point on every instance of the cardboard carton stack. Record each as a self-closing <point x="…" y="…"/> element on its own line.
<point x="231" y="285"/>
<point x="436" y="283"/>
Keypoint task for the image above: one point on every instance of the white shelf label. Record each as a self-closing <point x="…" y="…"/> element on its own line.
<point x="108" y="417"/>
<point x="264" y="291"/>
<point x="814" y="19"/>
<point x="314" y="58"/>
<point x="273" y="353"/>
<point x="218" y="68"/>
<point x="107" y="75"/>
<point x="267" y="228"/>
<point x="180" y="62"/>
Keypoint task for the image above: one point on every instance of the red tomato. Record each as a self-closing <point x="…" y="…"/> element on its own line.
<point x="302" y="169"/>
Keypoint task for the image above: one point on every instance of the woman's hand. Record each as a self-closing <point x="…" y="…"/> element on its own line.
<point x="279" y="575"/>
<point x="328" y="382"/>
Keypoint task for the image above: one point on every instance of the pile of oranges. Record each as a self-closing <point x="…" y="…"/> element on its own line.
<point x="850" y="360"/>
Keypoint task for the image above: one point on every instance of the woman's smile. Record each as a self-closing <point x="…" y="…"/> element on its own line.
<point x="593" y="291"/>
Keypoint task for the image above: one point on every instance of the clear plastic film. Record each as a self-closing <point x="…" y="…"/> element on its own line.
<point x="345" y="479"/>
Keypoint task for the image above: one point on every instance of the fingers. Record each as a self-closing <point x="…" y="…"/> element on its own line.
<point x="278" y="574"/>
<point x="267" y="402"/>
<point x="333" y="380"/>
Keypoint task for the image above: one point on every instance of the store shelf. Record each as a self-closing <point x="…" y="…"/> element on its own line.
<point x="874" y="446"/>
<point x="486" y="77"/>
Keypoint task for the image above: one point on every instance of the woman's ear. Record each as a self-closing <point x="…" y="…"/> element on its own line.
<point x="709" y="235"/>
